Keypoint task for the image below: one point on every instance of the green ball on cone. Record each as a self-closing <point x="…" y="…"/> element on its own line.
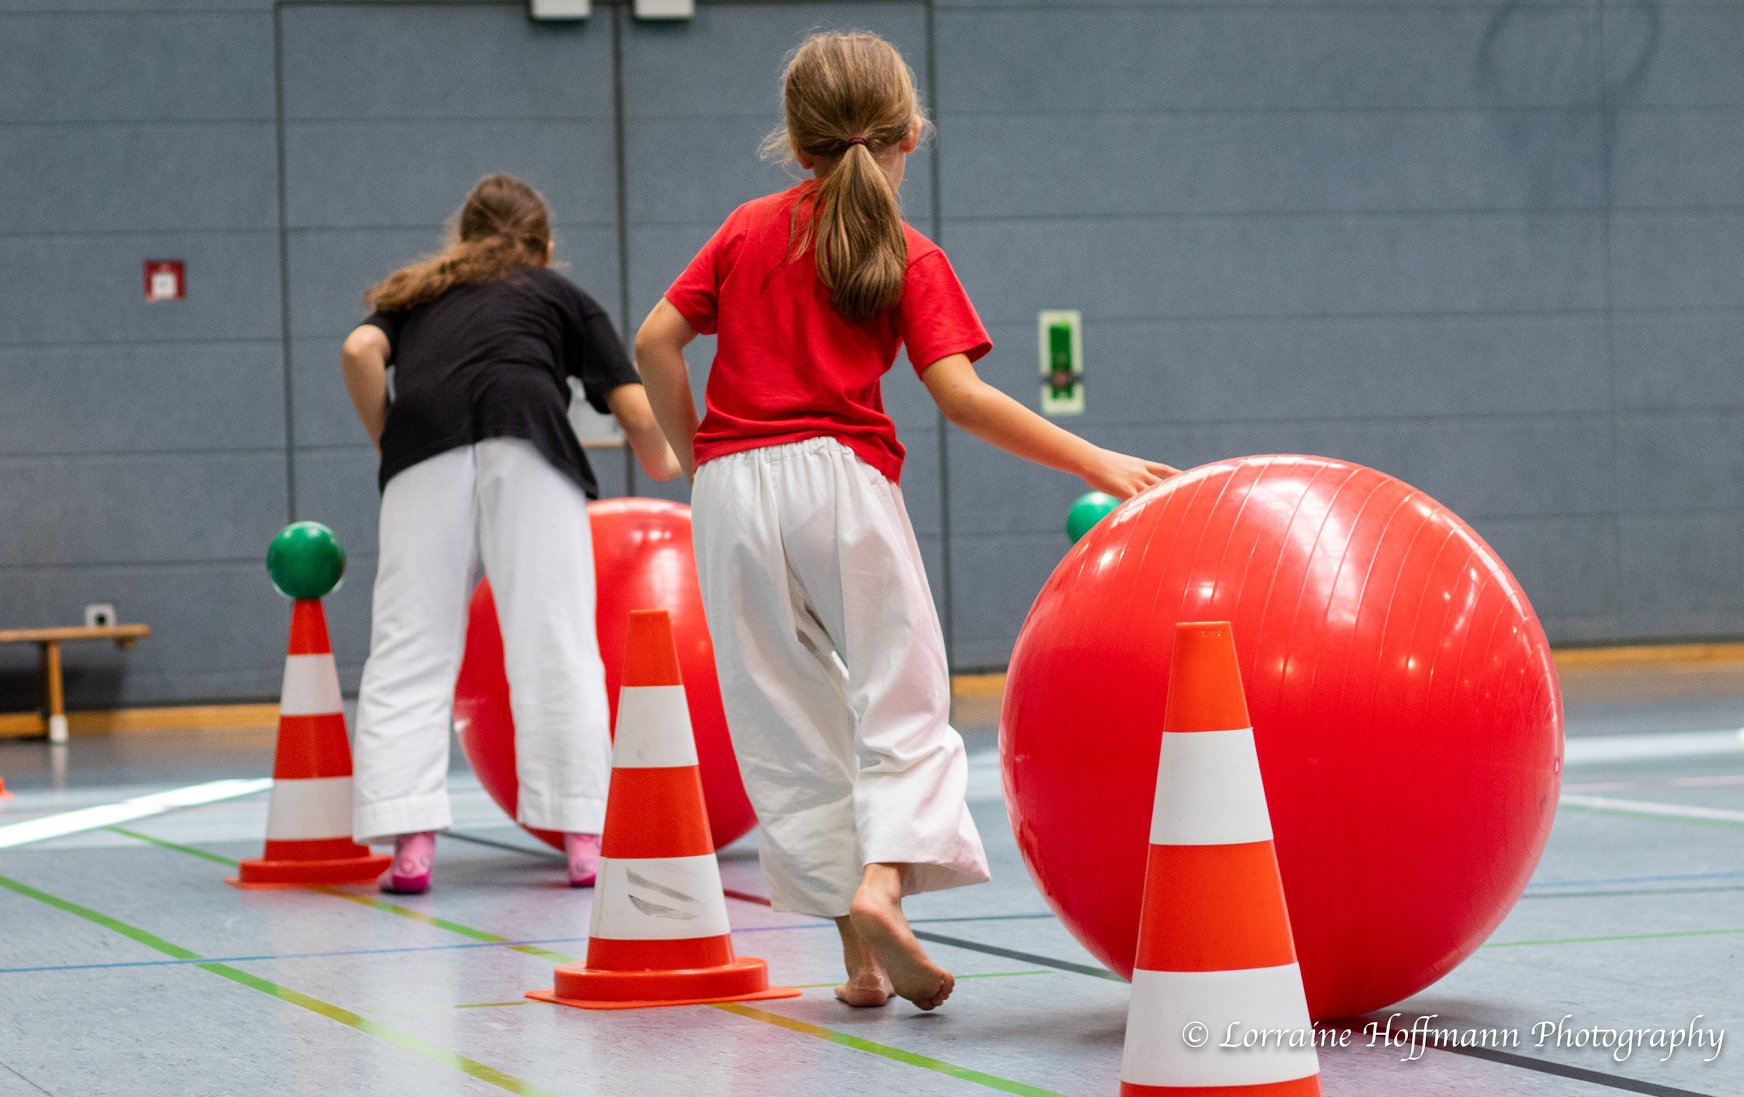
<point x="1087" y="510"/>
<point x="305" y="560"/>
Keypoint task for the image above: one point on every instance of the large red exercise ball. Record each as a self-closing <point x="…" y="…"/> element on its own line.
<point x="641" y="560"/>
<point x="1404" y="704"/>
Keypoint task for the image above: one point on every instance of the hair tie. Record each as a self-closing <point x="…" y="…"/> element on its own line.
<point x="852" y="141"/>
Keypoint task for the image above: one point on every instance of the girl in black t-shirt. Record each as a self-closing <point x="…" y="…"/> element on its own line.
<point x="480" y="465"/>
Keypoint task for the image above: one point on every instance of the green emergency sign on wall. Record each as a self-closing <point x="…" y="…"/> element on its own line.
<point x="1062" y="356"/>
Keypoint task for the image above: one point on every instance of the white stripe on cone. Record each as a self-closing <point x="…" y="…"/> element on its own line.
<point x="311" y="686"/>
<point x="1209" y="791"/>
<point x="658" y="899"/>
<point x="1233" y="1007"/>
<point x="309" y="807"/>
<point x="653" y="729"/>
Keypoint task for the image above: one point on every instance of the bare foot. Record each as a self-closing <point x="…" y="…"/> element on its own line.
<point x="877" y="914"/>
<point x="867" y="984"/>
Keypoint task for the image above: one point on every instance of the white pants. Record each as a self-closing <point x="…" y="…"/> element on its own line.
<point x="500" y="501"/>
<point x="832" y="668"/>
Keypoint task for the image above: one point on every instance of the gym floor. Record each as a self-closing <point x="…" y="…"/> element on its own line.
<point x="128" y="967"/>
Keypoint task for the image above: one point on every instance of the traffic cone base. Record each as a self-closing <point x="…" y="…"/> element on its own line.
<point x="659" y="934"/>
<point x="308" y="829"/>
<point x="361" y="867"/>
<point x="744" y="979"/>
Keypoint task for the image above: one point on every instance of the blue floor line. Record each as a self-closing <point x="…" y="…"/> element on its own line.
<point x="357" y="952"/>
<point x="291" y="955"/>
<point x="1668" y="879"/>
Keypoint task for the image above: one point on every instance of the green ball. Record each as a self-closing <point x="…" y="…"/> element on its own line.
<point x="305" y="560"/>
<point x="1087" y="510"/>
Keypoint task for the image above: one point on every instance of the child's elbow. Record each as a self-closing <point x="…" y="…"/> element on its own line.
<point x="956" y="403"/>
<point x="363" y="344"/>
<point x="650" y="344"/>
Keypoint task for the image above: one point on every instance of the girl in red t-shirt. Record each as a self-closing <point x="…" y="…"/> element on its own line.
<point x="831" y="661"/>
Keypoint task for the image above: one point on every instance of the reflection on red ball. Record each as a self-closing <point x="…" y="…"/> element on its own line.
<point x="1404" y="703"/>
<point x="642" y="560"/>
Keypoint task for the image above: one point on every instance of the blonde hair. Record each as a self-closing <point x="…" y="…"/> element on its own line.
<point x="846" y="97"/>
<point x="503" y="228"/>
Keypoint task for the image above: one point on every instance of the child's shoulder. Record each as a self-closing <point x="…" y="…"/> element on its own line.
<point x="557" y="286"/>
<point x="920" y="247"/>
<point x="766" y="208"/>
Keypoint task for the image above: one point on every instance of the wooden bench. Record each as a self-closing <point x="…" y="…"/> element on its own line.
<point x="53" y="718"/>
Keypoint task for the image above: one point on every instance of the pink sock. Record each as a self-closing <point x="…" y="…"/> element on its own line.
<point x="583" y="851"/>
<point x="410" y="872"/>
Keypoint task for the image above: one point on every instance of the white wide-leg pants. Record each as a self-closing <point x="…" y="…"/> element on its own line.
<point x="500" y="501"/>
<point x="832" y="668"/>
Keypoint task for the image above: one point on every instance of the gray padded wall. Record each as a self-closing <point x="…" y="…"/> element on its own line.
<point x="141" y="446"/>
<point x="1495" y="249"/>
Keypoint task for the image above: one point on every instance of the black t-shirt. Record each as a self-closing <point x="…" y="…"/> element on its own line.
<point x="490" y="360"/>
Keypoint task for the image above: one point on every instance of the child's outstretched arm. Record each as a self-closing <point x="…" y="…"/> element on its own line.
<point x="660" y="357"/>
<point x="997" y="419"/>
<point x="629" y="404"/>
<point x="365" y="360"/>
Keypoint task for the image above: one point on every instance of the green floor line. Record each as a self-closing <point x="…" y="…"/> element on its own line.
<point x="387" y="1034"/>
<point x="442" y="923"/>
<point x="896" y="1054"/>
<point x="177" y="846"/>
<point x="1618" y="813"/>
<point x="1618" y="937"/>
<point x="353" y="897"/>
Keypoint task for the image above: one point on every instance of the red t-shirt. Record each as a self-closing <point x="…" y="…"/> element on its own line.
<point x="788" y="366"/>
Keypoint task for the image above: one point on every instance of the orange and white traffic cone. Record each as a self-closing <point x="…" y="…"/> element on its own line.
<point x="3" y="793"/>
<point x="308" y="822"/>
<point x="659" y="935"/>
<point x="1217" y="999"/>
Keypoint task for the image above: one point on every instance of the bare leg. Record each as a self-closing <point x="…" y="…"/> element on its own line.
<point x="877" y="914"/>
<point x="867" y="984"/>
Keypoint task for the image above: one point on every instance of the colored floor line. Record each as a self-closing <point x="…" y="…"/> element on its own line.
<point x="895" y="1054"/>
<point x="976" y="946"/>
<point x="909" y="1058"/>
<point x="61" y="824"/>
<point x="1615" y="881"/>
<point x="362" y="900"/>
<point x="1684" y="813"/>
<point x="1617" y="813"/>
<point x="385" y="1033"/>
<point x="1619" y="892"/>
<point x="25" y="1080"/>
<point x="1616" y="937"/>
<point x="273" y="956"/>
<point x="543" y="853"/>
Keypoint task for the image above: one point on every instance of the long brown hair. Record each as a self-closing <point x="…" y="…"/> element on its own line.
<point x="846" y="98"/>
<point x="503" y="227"/>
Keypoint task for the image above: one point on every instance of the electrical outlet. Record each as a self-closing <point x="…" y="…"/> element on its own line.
<point x="99" y="614"/>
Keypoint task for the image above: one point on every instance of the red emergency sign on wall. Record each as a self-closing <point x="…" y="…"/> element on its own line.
<point x="165" y="280"/>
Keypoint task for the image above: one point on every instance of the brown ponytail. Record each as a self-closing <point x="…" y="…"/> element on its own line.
<point x="847" y="98"/>
<point x="503" y="228"/>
